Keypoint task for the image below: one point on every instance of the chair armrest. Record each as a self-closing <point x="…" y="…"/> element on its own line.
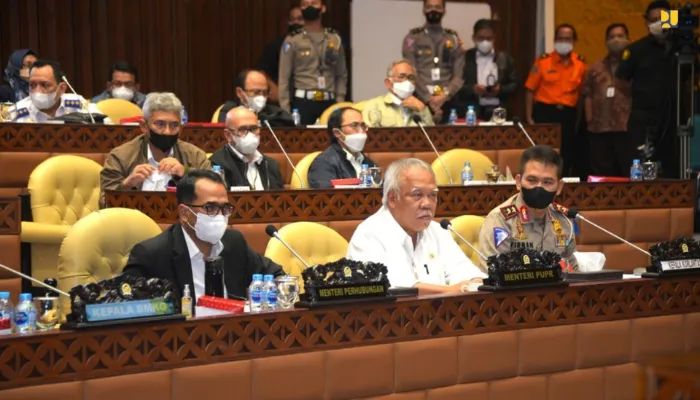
<point x="35" y="232"/>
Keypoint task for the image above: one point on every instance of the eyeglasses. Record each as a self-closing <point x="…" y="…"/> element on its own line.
<point x="129" y="85"/>
<point x="243" y="130"/>
<point x="258" y="92"/>
<point x="161" y="125"/>
<point x="212" y="209"/>
<point x="356" y="126"/>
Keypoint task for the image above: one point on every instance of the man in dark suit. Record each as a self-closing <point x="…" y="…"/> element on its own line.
<point x="489" y="75"/>
<point x="252" y="92"/>
<point x="242" y="163"/>
<point x="179" y="252"/>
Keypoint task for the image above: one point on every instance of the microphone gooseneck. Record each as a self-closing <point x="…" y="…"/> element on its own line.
<point x="447" y="225"/>
<point x="272" y="232"/>
<point x="518" y="122"/>
<point x="29" y="278"/>
<point x="577" y="215"/>
<point x="419" y="121"/>
<point x="291" y="164"/>
<point x="75" y="93"/>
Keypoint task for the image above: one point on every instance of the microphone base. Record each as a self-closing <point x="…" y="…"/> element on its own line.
<point x="118" y="322"/>
<point x="510" y="288"/>
<point x="602" y="275"/>
<point x="670" y="274"/>
<point x="344" y="302"/>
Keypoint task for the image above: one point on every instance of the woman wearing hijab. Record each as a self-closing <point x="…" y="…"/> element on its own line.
<point x="16" y="76"/>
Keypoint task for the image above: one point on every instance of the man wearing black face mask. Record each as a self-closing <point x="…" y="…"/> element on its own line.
<point x="154" y="159"/>
<point x="531" y="219"/>
<point x="438" y="57"/>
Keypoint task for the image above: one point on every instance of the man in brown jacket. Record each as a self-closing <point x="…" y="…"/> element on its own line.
<point x="152" y="160"/>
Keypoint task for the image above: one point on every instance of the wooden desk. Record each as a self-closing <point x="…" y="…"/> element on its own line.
<point x="575" y="343"/>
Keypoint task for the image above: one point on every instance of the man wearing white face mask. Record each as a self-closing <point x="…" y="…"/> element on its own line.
<point x="123" y="84"/>
<point x="397" y="106"/>
<point x="242" y="163"/>
<point x="252" y="92"/>
<point x="202" y="232"/>
<point x="344" y="158"/>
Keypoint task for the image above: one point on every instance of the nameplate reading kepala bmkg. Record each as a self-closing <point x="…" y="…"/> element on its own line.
<point x="128" y="310"/>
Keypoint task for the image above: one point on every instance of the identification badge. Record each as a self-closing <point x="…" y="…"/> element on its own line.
<point x="435" y="74"/>
<point x="610" y="93"/>
<point x="321" y="82"/>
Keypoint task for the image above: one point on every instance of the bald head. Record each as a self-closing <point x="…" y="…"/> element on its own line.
<point x="240" y="116"/>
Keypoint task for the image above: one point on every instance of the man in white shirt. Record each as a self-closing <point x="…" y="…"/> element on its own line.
<point x="403" y="236"/>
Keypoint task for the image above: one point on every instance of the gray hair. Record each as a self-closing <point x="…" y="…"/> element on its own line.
<point x="390" y="69"/>
<point x="392" y="177"/>
<point x="161" y="102"/>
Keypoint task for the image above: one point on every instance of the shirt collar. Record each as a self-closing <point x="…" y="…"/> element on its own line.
<point x="193" y="250"/>
<point x="351" y="157"/>
<point x="393" y="228"/>
<point x="149" y="154"/>
<point x="520" y="203"/>
<point x="489" y="55"/>
<point x="392" y="99"/>
<point x="257" y="156"/>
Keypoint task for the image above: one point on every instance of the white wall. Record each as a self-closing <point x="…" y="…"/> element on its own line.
<point x="377" y="31"/>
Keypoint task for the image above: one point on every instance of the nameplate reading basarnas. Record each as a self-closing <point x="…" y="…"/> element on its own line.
<point x="679" y="265"/>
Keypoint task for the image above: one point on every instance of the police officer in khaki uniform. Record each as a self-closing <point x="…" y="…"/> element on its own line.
<point x="315" y="59"/>
<point x="530" y="219"/>
<point x="438" y="57"/>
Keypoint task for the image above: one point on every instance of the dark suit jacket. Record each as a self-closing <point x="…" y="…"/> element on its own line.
<point x="166" y="256"/>
<point x="276" y="116"/>
<point x="236" y="169"/>
<point x="333" y="164"/>
<point x="507" y="78"/>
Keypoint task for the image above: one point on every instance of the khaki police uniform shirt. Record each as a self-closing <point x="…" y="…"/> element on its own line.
<point x="306" y="61"/>
<point x="26" y="112"/>
<point x="422" y="51"/>
<point x="510" y="226"/>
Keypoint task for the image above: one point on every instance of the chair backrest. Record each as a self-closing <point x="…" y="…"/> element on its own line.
<point x="468" y="226"/>
<point x="323" y="120"/>
<point x="63" y="189"/>
<point x="360" y="106"/>
<point x="303" y="168"/>
<point x="215" y="117"/>
<point x="327" y="246"/>
<point x="454" y="160"/>
<point x="118" y="109"/>
<point x="97" y="247"/>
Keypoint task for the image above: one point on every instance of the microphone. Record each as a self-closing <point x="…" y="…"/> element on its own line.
<point x="517" y="122"/>
<point x="29" y="278"/>
<point x="74" y="92"/>
<point x="269" y="128"/>
<point x="272" y="232"/>
<point x="419" y="121"/>
<point x="447" y="225"/>
<point x="576" y="215"/>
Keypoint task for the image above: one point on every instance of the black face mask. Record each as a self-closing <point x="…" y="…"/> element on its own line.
<point x="295" y="28"/>
<point x="311" y="13"/>
<point x="162" y="142"/>
<point x="537" y="198"/>
<point x="434" y="17"/>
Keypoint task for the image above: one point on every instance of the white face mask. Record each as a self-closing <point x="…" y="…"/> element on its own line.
<point x="123" y="93"/>
<point x="257" y="103"/>
<point x="43" y="101"/>
<point x="563" y="48"/>
<point x="656" y="30"/>
<point x="485" y="46"/>
<point x="246" y="144"/>
<point x="404" y="90"/>
<point x="355" y="142"/>
<point x="210" y="229"/>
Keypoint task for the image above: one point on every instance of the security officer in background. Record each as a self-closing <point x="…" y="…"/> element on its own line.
<point x="316" y="59"/>
<point x="553" y="88"/>
<point x="438" y="56"/>
<point x="649" y="64"/>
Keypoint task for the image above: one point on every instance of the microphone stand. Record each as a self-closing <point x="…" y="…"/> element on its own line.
<point x="582" y="218"/>
<point x="419" y="122"/>
<point x="267" y="124"/>
<point x="29" y="278"/>
<point x="75" y="93"/>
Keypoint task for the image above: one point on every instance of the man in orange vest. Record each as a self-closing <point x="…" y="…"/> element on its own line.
<point x="553" y="89"/>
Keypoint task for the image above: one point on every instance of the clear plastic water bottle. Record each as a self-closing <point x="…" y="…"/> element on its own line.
<point x="296" y="117"/>
<point x="365" y="176"/>
<point x="255" y="293"/>
<point x="7" y="312"/>
<point x="636" y="171"/>
<point x="269" y="293"/>
<point x="184" y="115"/>
<point x="467" y="173"/>
<point x="453" y="117"/>
<point x="25" y="314"/>
<point x="217" y="170"/>
<point x="471" y="116"/>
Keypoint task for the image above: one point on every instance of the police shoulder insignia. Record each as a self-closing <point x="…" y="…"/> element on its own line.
<point x="626" y="54"/>
<point x="509" y="211"/>
<point x="560" y="208"/>
<point x="416" y="31"/>
<point x="22" y="112"/>
<point x="499" y="236"/>
<point x="72" y="103"/>
<point x="331" y="31"/>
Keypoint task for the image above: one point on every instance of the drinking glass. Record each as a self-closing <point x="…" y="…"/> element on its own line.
<point x="376" y="176"/>
<point x="46" y="312"/>
<point x="5" y="114"/>
<point x="375" y="118"/>
<point x="499" y="115"/>
<point x="287" y="291"/>
<point x="494" y="175"/>
<point x="649" y="169"/>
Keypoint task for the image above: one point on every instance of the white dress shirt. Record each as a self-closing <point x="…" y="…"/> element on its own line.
<point x="355" y="161"/>
<point x="436" y="258"/>
<point x="253" y="173"/>
<point x="158" y="181"/>
<point x="197" y="261"/>
<point x="405" y="112"/>
<point x="485" y="66"/>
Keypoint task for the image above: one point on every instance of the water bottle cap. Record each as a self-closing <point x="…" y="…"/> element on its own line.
<point x="269" y="278"/>
<point x="635" y="161"/>
<point x="216" y="168"/>
<point x="471" y="108"/>
<point x="365" y="166"/>
<point x="257" y="277"/>
<point x="25" y="297"/>
<point x="467" y="164"/>
<point x="454" y="110"/>
<point x="295" y="110"/>
<point x="4" y="295"/>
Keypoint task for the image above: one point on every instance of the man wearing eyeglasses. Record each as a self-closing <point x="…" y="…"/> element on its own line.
<point x="202" y="232"/>
<point x="156" y="158"/>
<point x="344" y="158"/>
<point x="253" y="92"/>
<point x="399" y="104"/>
<point x="242" y="163"/>
<point x="403" y="236"/>
<point x="123" y="84"/>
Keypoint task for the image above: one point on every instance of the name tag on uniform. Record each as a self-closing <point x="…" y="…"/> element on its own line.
<point x="435" y="74"/>
<point x="321" y="82"/>
<point x="610" y="93"/>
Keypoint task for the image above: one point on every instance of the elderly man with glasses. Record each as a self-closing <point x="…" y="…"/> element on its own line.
<point x="253" y="92"/>
<point x="399" y="104"/>
<point x="202" y="232"/>
<point x="242" y="163"/>
<point x="156" y="158"/>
